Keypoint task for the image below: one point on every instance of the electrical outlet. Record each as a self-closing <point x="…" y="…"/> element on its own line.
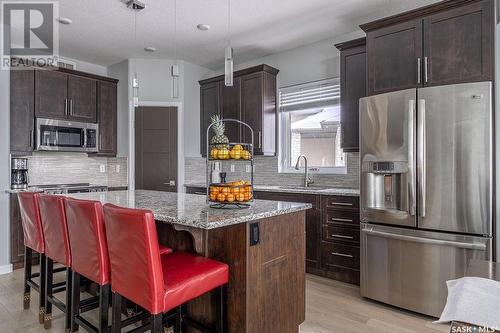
<point x="248" y="168"/>
<point x="102" y="168"/>
<point x="117" y="168"/>
<point x="232" y="167"/>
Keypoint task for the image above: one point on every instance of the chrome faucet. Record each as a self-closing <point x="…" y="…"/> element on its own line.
<point x="307" y="180"/>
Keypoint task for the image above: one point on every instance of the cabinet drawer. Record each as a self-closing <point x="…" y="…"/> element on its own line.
<point x="341" y="202"/>
<point x="346" y="217"/>
<point x="335" y="254"/>
<point x="334" y="232"/>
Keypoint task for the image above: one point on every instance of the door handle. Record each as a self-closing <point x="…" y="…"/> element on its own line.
<point x="471" y="246"/>
<point x="70" y="107"/>
<point x="260" y="139"/>
<point x="66" y="107"/>
<point x="341" y="255"/>
<point x="336" y="219"/>
<point x="411" y="159"/>
<point x="426" y="67"/>
<point x="419" y="70"/>
<point x="421" y="165"/>
<point x="342" y="236"/>
<point x="334" y="203"/>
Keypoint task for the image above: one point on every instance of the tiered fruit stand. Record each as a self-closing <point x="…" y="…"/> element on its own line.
<point x="236" y="194"/>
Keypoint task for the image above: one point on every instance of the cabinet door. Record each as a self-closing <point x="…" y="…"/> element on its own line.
<point x="16" y="234"/>
<point x="459" y="44"/>
<point x="51" y="93"/>
<point x="209" y="105"/>
<point x="230" y="108"/>
<point x="393" y="57"/>
<point x="352" y="88"/>
<point x="107" y="111"/>
<point x="82" y="99"/>
<point x="251" y="108"/>
<point x="22" y="110"/>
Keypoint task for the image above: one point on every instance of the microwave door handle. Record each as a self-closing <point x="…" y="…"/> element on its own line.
<point x="84" y="138"/>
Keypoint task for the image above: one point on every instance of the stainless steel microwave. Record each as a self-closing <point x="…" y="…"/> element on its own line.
<point x="61" y="135"/>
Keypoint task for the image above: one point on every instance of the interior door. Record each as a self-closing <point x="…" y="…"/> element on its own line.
<point x="454" y="158"/>
<point x="156" y="148"/>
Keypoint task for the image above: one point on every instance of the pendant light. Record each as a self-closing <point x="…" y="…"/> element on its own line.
<point x="135" y="81"/>
<point x="175" y="68"/>
<point x="228" y="51"/>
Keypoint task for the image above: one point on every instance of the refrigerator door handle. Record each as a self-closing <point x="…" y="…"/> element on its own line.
<point x="471" y="246"/>
<point x="411" y="158"/>
<point x="421" y="163"/>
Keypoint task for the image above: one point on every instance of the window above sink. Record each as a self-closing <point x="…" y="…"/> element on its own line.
<point x="310" y="125"/>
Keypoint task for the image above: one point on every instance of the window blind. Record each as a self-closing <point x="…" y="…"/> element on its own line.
<point x="317" y="94"/>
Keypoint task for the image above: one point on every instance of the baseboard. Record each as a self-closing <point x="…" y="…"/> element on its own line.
<point x="5" y="269"/>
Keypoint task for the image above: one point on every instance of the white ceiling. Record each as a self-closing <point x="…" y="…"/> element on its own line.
<point x="102" y="30"/>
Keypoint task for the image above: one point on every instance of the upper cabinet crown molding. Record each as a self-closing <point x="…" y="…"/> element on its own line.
<point x="414" y="14"/>
<point x="351" y="43"/>
<point x="250" y="70"/>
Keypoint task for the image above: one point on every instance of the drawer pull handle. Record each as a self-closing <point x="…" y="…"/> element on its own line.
<point x="342" y="236"/>
<point x="336" y="219"/>
<point x="342" y="255"/>
<point x="334" y="203"/>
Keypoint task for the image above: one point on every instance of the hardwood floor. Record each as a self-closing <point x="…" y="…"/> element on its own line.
<point x="331" y="306"/>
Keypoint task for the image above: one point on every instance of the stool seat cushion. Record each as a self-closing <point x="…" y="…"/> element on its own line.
<point x="164" y="250"/>
<point x="187" y="276"/>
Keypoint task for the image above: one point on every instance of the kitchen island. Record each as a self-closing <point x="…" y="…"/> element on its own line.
<point x="264" y="246"/>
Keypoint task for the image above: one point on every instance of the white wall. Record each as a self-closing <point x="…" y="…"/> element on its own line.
<point x="497" y="133"/>
<point x="119" y="71"/>
<point x="88" y="67"/>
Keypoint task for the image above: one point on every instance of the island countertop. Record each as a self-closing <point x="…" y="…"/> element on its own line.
<point x="191" y="210"/>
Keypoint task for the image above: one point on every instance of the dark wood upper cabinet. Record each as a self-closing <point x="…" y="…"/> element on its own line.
<point x="107" y="117"/>
<point x="22" y="111"/>
<point x="448" y="42"/>
<point x="230" y="108"/>
<point x="251" y="99"/>
<point x="393" y="57"/>
<point x="82" y="99"/>
<point x="209" y="106"/>
<point x="51" y="94"/>
<point x="468" y="55"/>
<point x="352" y="88"/>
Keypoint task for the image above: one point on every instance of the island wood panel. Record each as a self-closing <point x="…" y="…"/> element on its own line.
<point x="266" y="290"/>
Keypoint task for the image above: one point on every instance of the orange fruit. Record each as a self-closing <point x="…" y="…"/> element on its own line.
<point x="225" y="190"/>
<point x="230" y="198"/>
<point x="221" y="197"/>
<point x="241" y="197"/>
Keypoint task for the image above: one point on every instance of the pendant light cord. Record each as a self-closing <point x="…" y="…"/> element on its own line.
<point x="175" y="31"/>
<point x="135" y="42"/>
<point x="228" y="22"/>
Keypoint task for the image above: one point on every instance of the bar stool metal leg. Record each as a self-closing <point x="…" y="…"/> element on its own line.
<point x="28" y="257"/>
<point x="117" y="313"/>
<point x="49" y="293"/>
<point x="75" y="300"/>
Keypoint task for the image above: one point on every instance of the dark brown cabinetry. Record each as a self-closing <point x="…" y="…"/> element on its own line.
<point x="352" y="88"/>
<point x="332" y="232"/>
<point x="22" y="111"/>
<point x="51" y="94"/>
<point x="82" y="96"/>
<point x="252" y="99"/>
<point x="16" y="233"/>
<point x="445" y="43"/>
<point x="107" y="114"/>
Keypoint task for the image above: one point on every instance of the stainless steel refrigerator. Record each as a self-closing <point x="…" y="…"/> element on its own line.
<point x="426" y="191"/>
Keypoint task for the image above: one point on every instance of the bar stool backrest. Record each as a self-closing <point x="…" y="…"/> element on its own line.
<point x="87" y="236"/>
<point x="136" y="271"/>
<point x="55" y="229"/>
<point x="30" y="219"/>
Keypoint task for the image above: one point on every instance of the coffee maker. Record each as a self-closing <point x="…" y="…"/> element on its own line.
<point x="19" y="173"/>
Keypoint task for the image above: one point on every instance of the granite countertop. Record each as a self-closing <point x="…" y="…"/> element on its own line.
<point x="324" y="190"/>
<point x="191" y="209"/>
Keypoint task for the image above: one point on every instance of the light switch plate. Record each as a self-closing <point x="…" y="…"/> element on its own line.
<point x="232" y="167"/>
<point x="102" y="168"/>
<point x="117" y="168"/>
<point x="248" y="168"/>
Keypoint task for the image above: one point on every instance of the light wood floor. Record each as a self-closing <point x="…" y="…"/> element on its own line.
<point x="331" y="306"/>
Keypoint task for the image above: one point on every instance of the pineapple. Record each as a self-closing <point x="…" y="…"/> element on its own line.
<point x="219" y="139"/>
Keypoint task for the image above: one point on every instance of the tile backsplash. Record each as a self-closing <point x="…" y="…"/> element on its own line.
<point x="266" y="173"/>
<point x="60" y="168"/>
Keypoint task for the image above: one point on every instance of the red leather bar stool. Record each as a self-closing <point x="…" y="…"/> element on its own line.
<point x="57" y="250"/>
<point x="33" y="243"/>
<point x="159" y="284"/>
<point x="90" y="259"/>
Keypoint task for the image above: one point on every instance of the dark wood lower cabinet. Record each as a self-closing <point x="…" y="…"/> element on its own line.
<point x="16" y="234"/>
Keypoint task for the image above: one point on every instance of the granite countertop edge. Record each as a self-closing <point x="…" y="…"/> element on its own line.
<point x="318" y="191"/>
<point x="235" y="220"/>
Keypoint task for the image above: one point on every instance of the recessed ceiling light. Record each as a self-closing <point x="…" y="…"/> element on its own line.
<point x="203" y="27"/>
<point x="64" y="20"/>
<point x="150" y="49"/>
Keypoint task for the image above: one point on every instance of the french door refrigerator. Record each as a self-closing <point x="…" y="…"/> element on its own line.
<point x="426" y="191"/>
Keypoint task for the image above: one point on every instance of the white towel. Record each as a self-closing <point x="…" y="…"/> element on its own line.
<point x="474" y="301"/>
